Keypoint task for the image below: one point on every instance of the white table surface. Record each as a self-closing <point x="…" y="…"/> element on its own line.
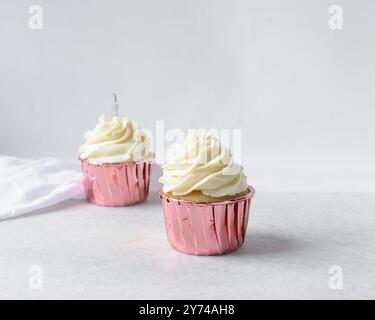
<point x="86" y="251"/>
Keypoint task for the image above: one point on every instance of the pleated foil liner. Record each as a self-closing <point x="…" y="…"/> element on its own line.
<point x="211" y="228"/>
<point x="116" y="184"/>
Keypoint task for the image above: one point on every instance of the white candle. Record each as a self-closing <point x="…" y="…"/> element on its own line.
<point x="115" y="107"/>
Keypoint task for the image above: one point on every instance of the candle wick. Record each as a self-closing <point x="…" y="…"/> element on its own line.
<point x="115" y="106"/>
<point x="115" y="96"/>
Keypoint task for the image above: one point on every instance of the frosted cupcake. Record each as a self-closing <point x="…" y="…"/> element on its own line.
<point x="206" y="199"/>
<point x="116" y="162"/>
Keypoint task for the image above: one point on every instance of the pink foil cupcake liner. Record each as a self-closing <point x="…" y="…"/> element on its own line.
<point x="210" y="228"/>
<point x="116" y="184"/>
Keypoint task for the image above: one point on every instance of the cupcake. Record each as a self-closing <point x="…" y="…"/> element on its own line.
<point x="206" y="199"/>
<point x="116" y="162"/>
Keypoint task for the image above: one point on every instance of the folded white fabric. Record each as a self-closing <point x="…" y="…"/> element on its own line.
<point x="27" y="185"/>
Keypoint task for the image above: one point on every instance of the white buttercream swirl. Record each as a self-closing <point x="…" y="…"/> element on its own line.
<point x="202" y="163"/>
<point x="114" y="140"/>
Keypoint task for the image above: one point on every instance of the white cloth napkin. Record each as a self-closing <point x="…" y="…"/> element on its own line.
<point x="27" y="185"/>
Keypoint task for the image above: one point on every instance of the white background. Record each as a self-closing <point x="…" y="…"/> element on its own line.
<point x="301" y="93"/>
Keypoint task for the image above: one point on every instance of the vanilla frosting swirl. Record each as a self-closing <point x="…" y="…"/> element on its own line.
<point x="202" y="163"/>
<point x="114" y="140"/>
